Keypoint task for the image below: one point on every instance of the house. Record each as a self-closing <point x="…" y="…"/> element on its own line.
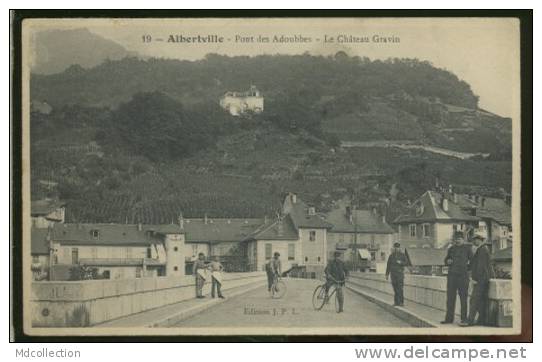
<point x="364" y="234"/>
<point x="114" y="251"/>
<point x="273" y="236"/>
<point x="220" y="237"/>
<point x="426" y="261"/>
<point x="46" y="212"/>
<point x="299" y="234"/>
<point x="238" y="103"/>
<point x="431" y="221"/>
<point x="495" y="218"/>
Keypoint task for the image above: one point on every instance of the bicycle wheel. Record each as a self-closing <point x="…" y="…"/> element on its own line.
<point x="279" y="289"/>
<point x="319" y="297"/>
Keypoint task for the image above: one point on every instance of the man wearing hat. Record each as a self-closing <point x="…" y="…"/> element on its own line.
<point x="457" y="259"/>
<point x="481" y="272"/>
<point x="396" y="266"/>
<point x="336" y="273"/>
<point x="273" y="269"/>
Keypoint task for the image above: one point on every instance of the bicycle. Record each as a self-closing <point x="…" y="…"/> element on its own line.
<point x="278" y="289"/>
<point x="319" y="298"/>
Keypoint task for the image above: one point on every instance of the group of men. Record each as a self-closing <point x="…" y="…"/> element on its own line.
<point x="460" y="259"/>
<point x="201" y="268"/>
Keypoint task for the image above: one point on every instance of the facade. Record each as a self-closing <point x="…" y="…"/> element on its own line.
<point x="217" y="237"/>
<point x="363" y="234"/>
<point x="495" y="218"/>
<point x="432" y="220"/>
<point x="238" y="103"/>
<point x="113" y="251"/>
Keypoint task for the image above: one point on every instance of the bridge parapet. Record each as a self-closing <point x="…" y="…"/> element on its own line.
<point x="89" y="302"/>
<point x="431" y="292"/>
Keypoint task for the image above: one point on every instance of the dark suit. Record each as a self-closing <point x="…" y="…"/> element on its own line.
<point x="481" y="273"/>
<point x="396" y="268"/>
<point x="457" y="259"/>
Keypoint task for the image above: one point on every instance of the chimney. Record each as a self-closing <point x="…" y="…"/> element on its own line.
<point x="444" y="204"/>
<point x="181" y="221"/>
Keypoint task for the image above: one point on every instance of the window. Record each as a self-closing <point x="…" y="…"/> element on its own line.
<point x="268" y="251"/>
<point x="306" y="259"/>
<point x="455" y="228"/>
<point x="312" y="235"/>
<point x="35" y="259"/>
<point x="319" y="259"/>
<point x="138" y="272"/>
<point x="412" y="228"/>
<point x="175" y="268"/>
<point x="425" y="230"/>
<point x="194" y="250"/>
<point x="291" y="251"/>
<point x="175" y="249"/>
<point x="95" y="233"/>
<point x="75" y="256"/>
<point x="106" y="274"/>
<point x="149" y="252"/>
<point x="503" y="244"/>
<point x="373" y="255"/>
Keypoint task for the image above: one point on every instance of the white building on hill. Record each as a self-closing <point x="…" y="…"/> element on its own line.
<point x="238" y="103"/>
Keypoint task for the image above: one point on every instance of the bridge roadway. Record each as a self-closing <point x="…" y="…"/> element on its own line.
<point x="257" y="309"/>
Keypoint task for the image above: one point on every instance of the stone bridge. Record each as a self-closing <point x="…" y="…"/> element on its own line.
<point x="169" y="302"/>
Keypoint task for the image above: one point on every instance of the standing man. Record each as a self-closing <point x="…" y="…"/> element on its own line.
<point x="458" y="259"/>
<point x="336" y="273"/>
<point x="273" y="269"/>
<point x="481" y="272"/>
<point x="396" y="267"/>
<point x="198" y="269"/>
<point x="216" y="269"/>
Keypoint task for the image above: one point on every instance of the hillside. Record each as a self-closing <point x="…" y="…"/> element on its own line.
<point x="57" y="50"/>
<point x="142" y="140"/>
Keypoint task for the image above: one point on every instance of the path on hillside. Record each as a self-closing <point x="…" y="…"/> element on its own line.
<point x="257" y="309"/>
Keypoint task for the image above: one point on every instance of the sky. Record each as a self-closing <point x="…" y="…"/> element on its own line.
<point x="484" y="52"/>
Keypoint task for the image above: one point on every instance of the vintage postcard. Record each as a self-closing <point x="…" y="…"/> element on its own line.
<point x="265" y="176"/>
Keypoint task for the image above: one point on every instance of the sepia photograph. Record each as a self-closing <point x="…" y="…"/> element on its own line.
<point x="271" y="176"/>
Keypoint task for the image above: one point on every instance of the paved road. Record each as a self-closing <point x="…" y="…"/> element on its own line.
<point x="257" y="309"/>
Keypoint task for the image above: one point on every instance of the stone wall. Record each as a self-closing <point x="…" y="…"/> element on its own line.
<point x="431" y="291"/>
<point x="90" y="302"/>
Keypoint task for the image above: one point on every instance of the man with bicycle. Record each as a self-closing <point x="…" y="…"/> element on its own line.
<point x="336" y="273"/>
<point x="273" y="269"/>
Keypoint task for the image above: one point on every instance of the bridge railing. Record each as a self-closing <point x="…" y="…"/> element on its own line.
<point x="89" y="302"/>
<point x="431" y="292"/>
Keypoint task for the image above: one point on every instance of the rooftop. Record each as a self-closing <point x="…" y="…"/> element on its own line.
<point x="363" y="221"/>
<point x="429" y="208"/>
<point x="217" y="230"/>
<point x="271" y="230"/>
<point x="45" y="207"/>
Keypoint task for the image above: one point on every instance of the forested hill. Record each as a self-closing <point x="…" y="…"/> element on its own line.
<point x="305" y="78"/>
